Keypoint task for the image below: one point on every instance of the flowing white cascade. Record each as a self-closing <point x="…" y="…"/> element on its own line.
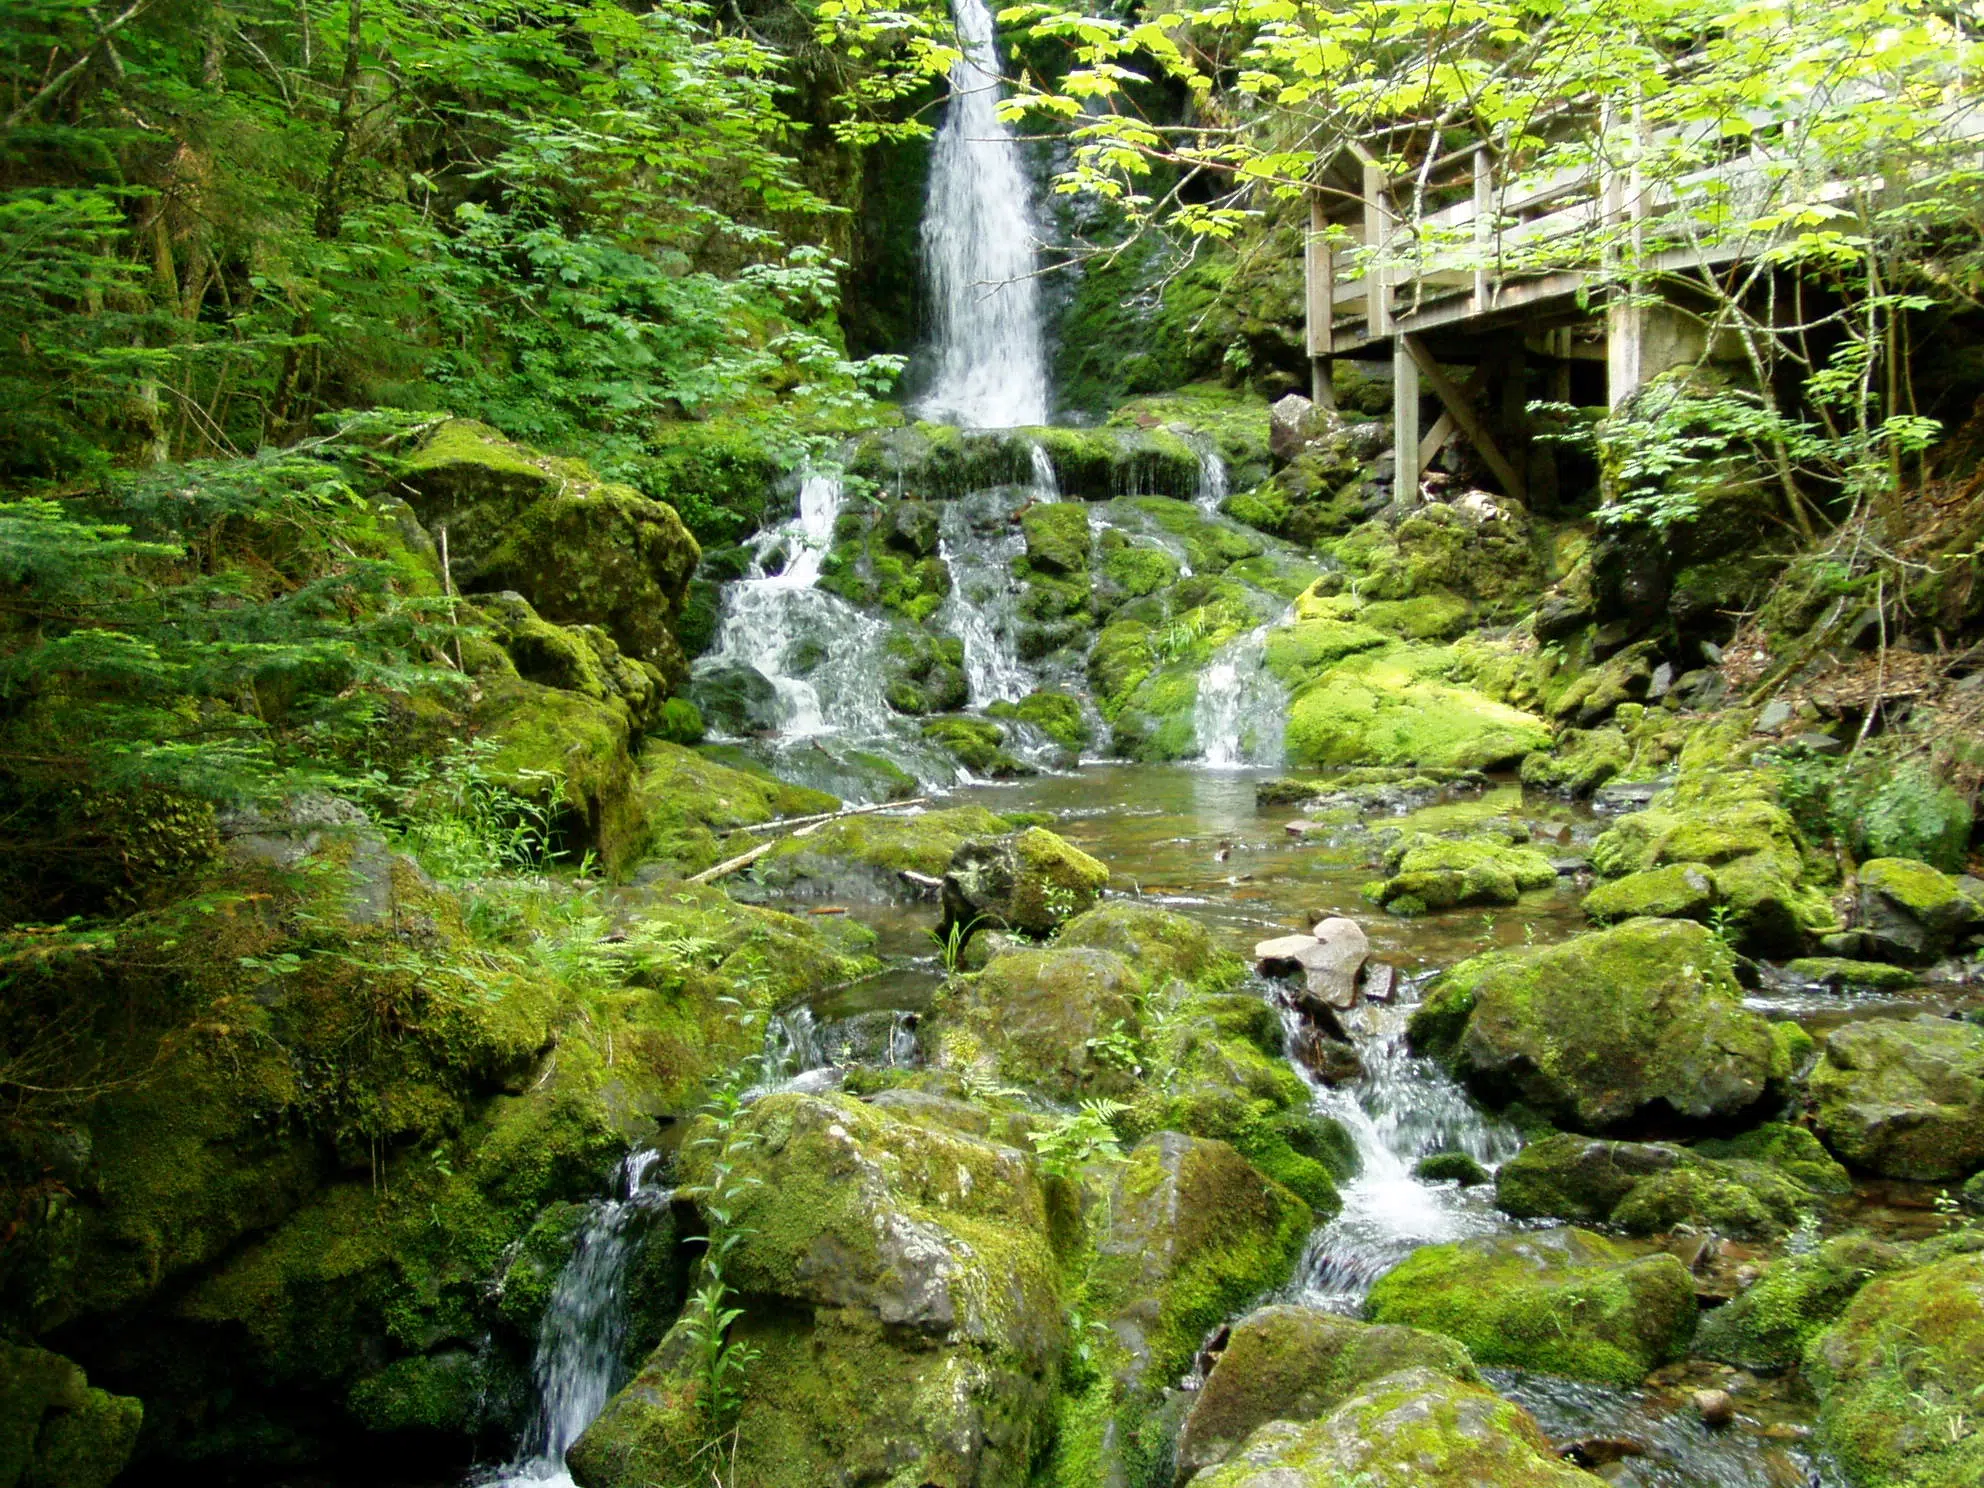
<point x="821" y="655"/>
<point x="1213" y="486"/>
<point x="1240" y="707"/>
<point x="577" y="1365"/>
<point x="1046" y="484"/>
<point x="978" y="543"/>
<point x="978" y="245"/>
<point x="1404" y="1108"/>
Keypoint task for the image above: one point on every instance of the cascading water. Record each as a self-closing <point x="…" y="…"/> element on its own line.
<point x="979" y="250"/>
<point x="1240" y="707"/>
<point x="1213" y="491"/>
<point x="978" y="542"/>
<point x="578" y="1361"/>
<point x="798" y="1044"/>
<point x="1403" y="1108"/>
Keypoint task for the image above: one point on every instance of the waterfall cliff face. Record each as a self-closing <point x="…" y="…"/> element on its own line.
<point x="979" y="250"/>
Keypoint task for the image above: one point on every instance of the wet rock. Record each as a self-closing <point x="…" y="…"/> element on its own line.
<point x="1715" y="1407"/>
<point x="912" y="527"/>
<point x="56" y="1429"/>
<point x="1291" y="424"/>
<point x="1433" y="873"/>
<point x="1623" y="796"/>
<point x="1064" y="1021"/>
<point x="1031" y="881"/>
<point x="1454" y="1167"/>
<point x="1294" y="1364"/>
<point x="1378" y="982"/>
<point x="1903" y="1099"/>
<point x="736" y="700"/>
<point x="1899" y="1376"/>
<point x="1561" y="1301"/>
<point x="1647" y="1188"/>
<point x="1910" y="912"/>
<point x="1842" y="974"/>
<point x="1327" y="1055"/>
<point x="1766" y="1326"/>
<point x="906" y="1309"/>
<point x="1413" y="1429"/>
<point x="1600" y="1451"/>
<point x="1328" y="962"/>
<point x="1638" y="1022"/>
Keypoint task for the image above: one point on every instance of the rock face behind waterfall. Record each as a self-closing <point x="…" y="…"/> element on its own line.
<point x="1639" y="1024"/>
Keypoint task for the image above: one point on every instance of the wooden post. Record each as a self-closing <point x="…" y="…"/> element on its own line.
<point x="1405" y="420"/>
<point x="1377" y="236"/>
<point x="1319" y="282"/>
<point x="1484" y="221"/>
<point x="1411" y="351"/>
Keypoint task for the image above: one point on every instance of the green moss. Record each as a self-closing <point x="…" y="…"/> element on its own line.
<point x="1909" y="812"/>
<point x="1136" y="570"/>
<point x="1903" y="1099"/>
<point x="922" y="841"/>
<point x="1434" y="873"/>
<point x="1390" y="707"/>
<point x="569" y="753"/>
<point x="1605" y="1028"/>
<point x="1057" y="537"/>
<point x="1841" y="974"/>
<point x="1744" y="1200"/>
<point x="1675" y="891"/>
<point x="56" y="1429"/>
<point x="428" y="1392"/>
<point x="1056" y="714"/>
<point x="688" y="799"/>
<point x="1583" y="760"/>
<point x="1767" y="1325"/>
<point x="1039" y="1019"/>
<point x="1450" y="1167"/>
<point x="1792" y="1150"/>
<point x="1898" y="1377"/>
<point x="1923" y="892"/>
<point x="1559" y="1301"/>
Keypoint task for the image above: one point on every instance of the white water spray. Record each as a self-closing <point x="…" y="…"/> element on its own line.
<point x="978" y="245"/>
<point x="1240" y="707"/>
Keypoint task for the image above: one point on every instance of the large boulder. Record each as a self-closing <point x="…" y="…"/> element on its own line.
<point x="1900" y="1375"/>
<point x="1413" y="1429"/>
<point x="56" y="1429"/>
<point x="1063" y="1021"/>
<point x="1160" y="945"/>
<point x="899" y="1286"/>
<point x="1559" y="1301"/>
<point x="1903" y="1099"/>
<point x="578" y="548"/>
<point x="1431" y="873"/>
<point x="1395" y="705"/>
<point x="1639" y="1023"/>
<point x="870" y="857"/>
<point x="1032" y="882"/>
<point x="1766" y="1326"/>
<point x="1286" y="1363"/>
<point x="1646" y="1187"/>
<point x="1911" y="913"/>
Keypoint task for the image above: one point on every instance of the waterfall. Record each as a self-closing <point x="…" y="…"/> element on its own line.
<point x="978" y="245"/>
<point x="1212" y="491"/>
<point x="1404" y="1108"/>
<point x="577" y="1365"/>
<point x="821" y="655"/>
<point x="1239" y="712"/>
<point x="979" y="541"/>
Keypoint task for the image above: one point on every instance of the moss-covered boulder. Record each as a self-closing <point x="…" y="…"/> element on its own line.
<point x="1433" y="873"/>
<point x="574" y="658"/>
<point x="1767" y="1325"/>
<point x="1844" y="974"/>
<point x="1903" y="1099"/>
<point x="1413" y="1429"/>
<point x="1582" y="761"/>
<point x="1286" y="1363"/>
<point x="1679" y="891"/>
<point x="864" y="857"/>
<point x="1648" y="1187"/>
<point x="901" y="1292"/>
<point x="1641" y="1022"/>
<point x="1397" y="706"/>
<point x="1159" y="944"/>
<point x="567" y="754"/>
<point x="1899" y="1377"/>
<point x="1791" y="1150"/>
<point x="578" y="548"/>
<point x="1559" y="1301"/>
<point x="1063" y="1021"/>
<point x="1909" y="912"/>
<point x="976" y="743"/>
<point x="1030" y="881"/>
<point x="1057" y="537"/>
<point x="687" y="799"/>
<point x="56" y="1429"/>
<point x="1058" y="715"/>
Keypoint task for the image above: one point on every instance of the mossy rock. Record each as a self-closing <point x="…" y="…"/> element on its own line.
<point x="1640" y="1022"/>
<point x="903" y="1299"/>
<point x="1903" y="1099"/>
<point x="1910" y="911"/>
<point x="688" y="799"/>
<point x="1558" y="1301"/>
<point x="1234" y="419"/>
<point x="1057" y="537"/>
<point x="1413" y="1429"/>
<point x="1286" y="1363"/>
<point x="580" y="549"/>
<point x="568" y="754"/>
<point x="1161" y="945"/>
<point x="1899" y="1376"/>
<point x="1767" y="1325"/>
<point x="1137" y="569"/>
<point x="1678" y="891"/>
<point x="1648" y="1188"/>
<point x="864" y="856"/>
<point x="976" y="743"/>
<point x="1841" y="974"/>
<point x="1030" y="881"/>
<point x="1394" y="706"/>
<point x="56" y="1429"/>
<point x="1434" y="873"/>
<point x="573" y="658"/>
<point x="924" y="673"/>
<point x="1056" y="714"/>
<point x="1040" y="1019"/>
<point x="1792" y="1150"/>
<point x="1583" y="760"/>
<point x="1451" y="1167"/>
<point x="1908" y="811"/>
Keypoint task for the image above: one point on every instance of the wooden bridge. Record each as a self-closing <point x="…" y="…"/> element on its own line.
<point x="1584" y="266"/>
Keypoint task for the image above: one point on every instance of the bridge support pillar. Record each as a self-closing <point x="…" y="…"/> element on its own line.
<point x="1644" y="338"/>
<point x="1405" y="420"/>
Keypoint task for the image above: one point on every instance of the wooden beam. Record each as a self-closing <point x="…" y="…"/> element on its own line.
<point x="1484" y="219"/>
<point x="1377" y="234"/>
<point x="1436" y="437"/>
<point x="1405" y="420"/>
<point x="1319" y="304"/>
<point x="1412" y="348"/>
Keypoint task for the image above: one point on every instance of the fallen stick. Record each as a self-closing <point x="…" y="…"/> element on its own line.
<point x="827" y="816"/>
<point x="745" y="859"/>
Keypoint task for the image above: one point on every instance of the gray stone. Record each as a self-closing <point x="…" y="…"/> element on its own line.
<point x="1290" y="426"/>
<point x="288" y="833"/>
<point x="1775" y="716"/>
<point x="1663" y="681"/>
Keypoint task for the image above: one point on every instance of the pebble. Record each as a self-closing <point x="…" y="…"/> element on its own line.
<point x="1716" y="1407"/>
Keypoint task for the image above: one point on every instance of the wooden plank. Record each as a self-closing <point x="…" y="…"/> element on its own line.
<point x="1319" y="304"/>
<point x="1484" y="223"/>
<point x="1464" y="415"/>
<point x="1436" y="438"/>
<point x="1405" y="419"/>
<point x="1377" y="238"/>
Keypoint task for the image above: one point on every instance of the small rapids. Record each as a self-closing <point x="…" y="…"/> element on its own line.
<point x="577" y="1366"/>
<point x="1240" y="709"/>
<point x="1402" y="1109"/>
<point x="804" y="1051"/>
